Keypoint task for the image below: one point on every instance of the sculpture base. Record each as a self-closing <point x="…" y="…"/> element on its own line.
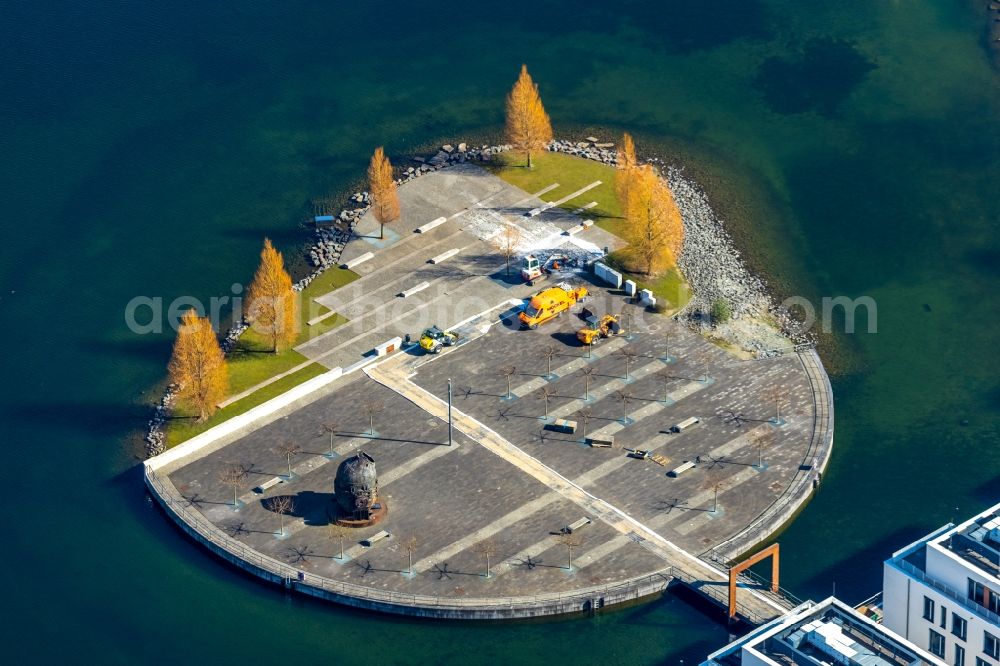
<point x="375" y="516"/>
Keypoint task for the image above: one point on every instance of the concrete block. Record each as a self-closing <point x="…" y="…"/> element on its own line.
<point x="389" y="346"/>
<point x="612" y="277"/>
<point x="412" y="290"/>
<point x="444" y="255"/>
<point x="572" y="231"/>
<point x="630" y="288"/>
<point x="646" y="297"/>
<point x="357" y="261"/>
<point x="588" y="224"/>
<point x="430" y="225"/>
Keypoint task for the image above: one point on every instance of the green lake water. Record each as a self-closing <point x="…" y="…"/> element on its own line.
<point x="148" y="147"/>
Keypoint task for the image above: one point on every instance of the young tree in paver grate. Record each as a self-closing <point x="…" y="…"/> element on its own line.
<point x="507" y="242"/>
<point x="371" y="408"/>
<point x="382" y="186"/>
<point x="666" y="375"/>
<point x="571" y="541"/>
<point x="233" y="476"/>
<point x="487" y="548"/>
<point x="281" y="505"/>
<point x="629" y="355"/>
<point x="549" y="353"/>
<point x="763" y="439"/>
<point x="626" y="397"/>
<point x="545" y="393"/>
<point x="508" y="371"/>
<point x="339" y="532"/>
<point x="331" y="428"/>
<point x="585" y="414"/>
<point x="289" y="449"/>
<point x="777" y="395"/>
<point x="409" y="546"/>
<point x="588" y="372"/>
<point x="713" y="482"/>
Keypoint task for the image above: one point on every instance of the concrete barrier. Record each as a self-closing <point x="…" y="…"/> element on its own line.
<point x="612" y="277"/>
<point x="444" y="255"/>
<point x="412" y="290"/>
<point x="646" y="297"/>
<point x="430" y="225"/>
<point x="357" y="261"/>
<point x="389" y="346"/>
<point x="588" y="224"/>
<point x="572" y="231"/>
<point x="629" y="288"/>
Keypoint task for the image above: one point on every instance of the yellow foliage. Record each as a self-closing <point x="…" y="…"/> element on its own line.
<point x="198" y="366"/>
<point x="271" y="302"/>
<point x="653" y="224"/>
<point x="382" y="187"/>
<point x="626" y="165"/>
<point x="528" y="126"/>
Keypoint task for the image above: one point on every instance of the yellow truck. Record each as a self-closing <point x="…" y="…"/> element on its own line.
<point x="549" y="304"/>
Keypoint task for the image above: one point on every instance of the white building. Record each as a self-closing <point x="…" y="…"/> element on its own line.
<point x="943" y="591"/>
<point x="818" y="634"/>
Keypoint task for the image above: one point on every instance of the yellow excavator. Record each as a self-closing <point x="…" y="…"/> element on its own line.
<point x="604" y="327"/>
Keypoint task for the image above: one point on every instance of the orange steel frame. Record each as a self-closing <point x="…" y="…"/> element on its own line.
<point x="772" y="552"/>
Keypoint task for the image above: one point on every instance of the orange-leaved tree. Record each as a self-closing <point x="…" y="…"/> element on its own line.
<point x="272" y="306"/>
<point x="198" y="366"/>
<point x="382" y="187"/>
<point x="528" y="126"/>
<point x="653" y="224"/>
<point x="624" y="175"/>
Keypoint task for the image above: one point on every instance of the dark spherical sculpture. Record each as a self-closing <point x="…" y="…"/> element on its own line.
<point x="356" y="486"/>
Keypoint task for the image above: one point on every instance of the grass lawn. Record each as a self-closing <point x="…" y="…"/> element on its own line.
<point x="251" y="361"/>
<point x="572" y="173"/>
<point x="182" y="427"/>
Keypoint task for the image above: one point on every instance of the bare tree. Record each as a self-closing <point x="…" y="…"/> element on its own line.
<point x="289" y="449"/>
<point x="778" y="395"/>
<point x="508" y="371"/>
<point x="507" y="242"/>
<point x="409" y="546"/>
<point x="233" y="476"/>
<point x="588" y="372"/>
<point x="763" y="439"/>
<point x="713" y="482"/>
<point x="487" y="548"/>
<point x="371" y="408"/>
<point x="545" y="393"/>
<point x="339" y="532"/>
<point x="625" y="396"/>
<point x="629" y="355"/>
<point x="571" y="541"/>
<point x="585" y="414"/>
<point x="281" y="505"/>
<point x="549" y="353"/>
<point x="666" y="375"/>
<point x="331" y="428"/>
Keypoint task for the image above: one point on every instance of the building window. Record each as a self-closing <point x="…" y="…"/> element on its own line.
<point x="958" y="626"/>
<point x="944" y="617"/>
<point x="936" y="645"/>
<point x="991" y="645"/>
<point x="976" y="591"/>
<point x="959" y="656"/>
<point x="984" y="596"/>
<point x="928" y="609"/>
<point x="982" y="662"/>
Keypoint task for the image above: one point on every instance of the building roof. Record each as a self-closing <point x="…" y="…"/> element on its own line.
<point x="815" y="634"/>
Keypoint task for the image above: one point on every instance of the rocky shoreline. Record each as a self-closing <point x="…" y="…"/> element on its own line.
<point x="709" y="261"/>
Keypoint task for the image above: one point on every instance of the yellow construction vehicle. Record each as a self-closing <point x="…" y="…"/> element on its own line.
<point x="550" y="303"/>
<point x="433" y="339"/>
<point x="604" y="327"/>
